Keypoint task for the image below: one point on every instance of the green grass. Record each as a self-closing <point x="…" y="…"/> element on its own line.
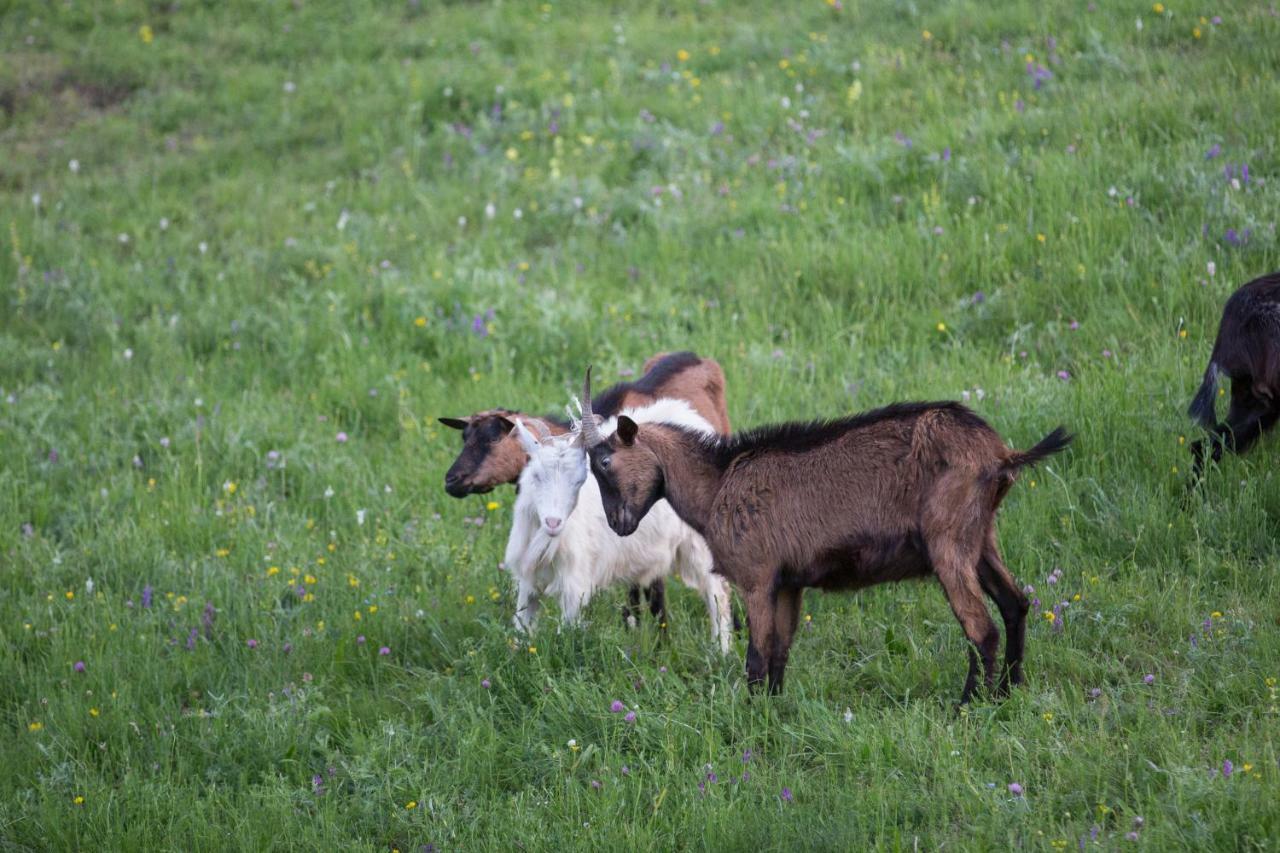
<point x="270" y="195"/>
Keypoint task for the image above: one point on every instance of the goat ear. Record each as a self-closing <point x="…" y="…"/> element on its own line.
<point x="506" y="425"/>
<point x="527" y="440"/>
<point x="455" y="423"/>
<point x="627" y="430"/>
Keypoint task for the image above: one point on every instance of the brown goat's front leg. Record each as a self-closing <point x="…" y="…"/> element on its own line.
<point x="760" y="622"/>
<point x="786" y="614"/>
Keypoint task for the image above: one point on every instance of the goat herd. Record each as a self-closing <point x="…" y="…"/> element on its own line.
<point x="901" y="492"/>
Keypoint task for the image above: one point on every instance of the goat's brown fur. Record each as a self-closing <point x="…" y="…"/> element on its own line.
<point x="901" y="492"/>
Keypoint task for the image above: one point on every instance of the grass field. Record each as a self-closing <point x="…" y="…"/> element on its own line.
<point x="253" y="250"/>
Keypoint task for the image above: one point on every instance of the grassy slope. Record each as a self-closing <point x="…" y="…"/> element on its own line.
<point x="801" y="244"/>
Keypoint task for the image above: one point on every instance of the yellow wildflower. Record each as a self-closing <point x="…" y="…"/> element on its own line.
<point x="145" y="33"/>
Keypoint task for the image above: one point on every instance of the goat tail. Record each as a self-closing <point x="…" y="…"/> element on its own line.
<point x="1202" y="407"/>
<point x="1052" y="443"/>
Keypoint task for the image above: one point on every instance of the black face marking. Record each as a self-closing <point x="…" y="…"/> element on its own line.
<point x="478" y="440"/>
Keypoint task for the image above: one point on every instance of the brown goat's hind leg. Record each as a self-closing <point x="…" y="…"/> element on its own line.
<point x="957" y="571"/>
<point x="998" y="583"/>
<point x="785" y="616"/>
<point x="760" y="621"/>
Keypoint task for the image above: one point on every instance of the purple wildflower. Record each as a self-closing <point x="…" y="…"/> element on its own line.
<point x="251" y="643"/>
<point x="1015" y="789"/>
<point x="360" y="640"/>
<point x="1214" y="151"/>
<point x="630" y="717"/>
<point x="626" y="771"/>
<point x="341" y="438"/>
<point x="53" y="455"/>
<point x="786" y="795"/>
<point x="317" y="784"/>
<point x="146" y="595"/>
<point x="1148" y="679"/>
<point x="946" y="154"/>
<point x="1064" y="376"/>
<point x="597" y="784"/>
<point x="286" y="648"/>
<point x="1095" y="693"/>
<point x="28" y="530"/>
<point x="617" y="707"/>
<point x="384" y="651"/>
<point x="1131" y="836"/>
<point x="746" y="755"/>
<point x="206" y="619"/>
<point x="478" y="326"/>
<point x="1227" y="768"/>
<point x="78" y="666"/>
<point x="902" y="139"/>
<point x="191" y="639"/>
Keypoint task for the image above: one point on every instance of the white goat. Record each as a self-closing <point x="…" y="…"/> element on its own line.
<point x="561" y="545"/>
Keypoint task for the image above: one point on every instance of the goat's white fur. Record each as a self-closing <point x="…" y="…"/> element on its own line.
<point x="574" y="558"/>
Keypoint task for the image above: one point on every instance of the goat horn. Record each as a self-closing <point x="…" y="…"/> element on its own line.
<point x="539" y="429"/>
<point x="590" y="433"/>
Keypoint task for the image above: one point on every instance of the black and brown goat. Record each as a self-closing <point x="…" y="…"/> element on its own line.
<point x="1248" y="351"/>
<point x="491" y="453"/>
<point x="901" y="492"/>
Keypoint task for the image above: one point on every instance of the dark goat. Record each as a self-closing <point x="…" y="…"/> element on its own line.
<point x="900" y="492"/>
<point x="491" y="453"/>
<point x="1248" y="351"/>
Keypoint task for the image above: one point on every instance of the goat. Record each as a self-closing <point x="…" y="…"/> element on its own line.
<point x="1247" y="350"/>
<point x="900" y="492"/>
<point x="491" y="455"/>
<point x="561" y="545"/>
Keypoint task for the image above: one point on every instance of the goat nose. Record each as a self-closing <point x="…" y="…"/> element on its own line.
<point x="552" y="523"/>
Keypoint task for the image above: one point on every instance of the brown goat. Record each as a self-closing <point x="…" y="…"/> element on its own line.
<point x="900" y="492"/>
<point x="1247" y="350"/>
<point x="491" y="454"/>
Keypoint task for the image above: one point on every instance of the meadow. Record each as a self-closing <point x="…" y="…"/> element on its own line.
<point x="253" y="250"/>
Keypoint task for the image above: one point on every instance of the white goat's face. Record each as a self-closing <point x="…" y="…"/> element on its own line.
<point x="556" y="471"/>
